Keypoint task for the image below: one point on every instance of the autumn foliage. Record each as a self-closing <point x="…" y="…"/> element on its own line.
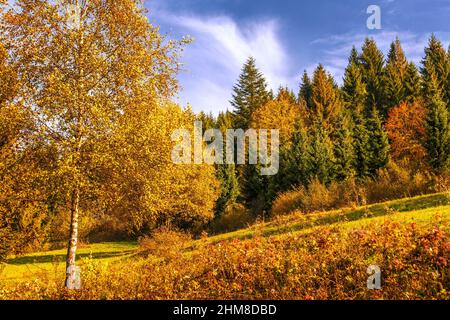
<point x="86" y="121"/>
<point x="327" y="263"/>
<point x="406" y="130"/>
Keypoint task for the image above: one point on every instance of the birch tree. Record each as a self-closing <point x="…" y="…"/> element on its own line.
<point x="82" y="65"/>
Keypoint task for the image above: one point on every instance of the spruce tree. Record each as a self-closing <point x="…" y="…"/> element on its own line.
<point x="395" y="76"/>
<point x="354" y="91"/>
<point x="295" y="161"/>
<point x="435" y="75"/>
<point x="372" y="62"/>
<point x="354" y="94"/>
<point x="255" y="189"/>
<point x="378" y="143"/>
<point x="207" y="120"/>
<point x="437" y="126"/>
<point x="226" y="173"/>
<point x="361" y="146"/>
<point x="322" y="154"/>
<point x="326" y="104"/>
<point x="412" y="83"/>
<point x="344" y="152"/>
<point x="249" y="94"/>
<point x="435" y="64"/>
<point x="305" y="93"/>
<point x="285" y="179"/>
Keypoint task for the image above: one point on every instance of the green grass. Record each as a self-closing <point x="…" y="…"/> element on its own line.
<point x="29" y="266"/>
<point x="421" y="210"/>
<point x="423" y="207"/>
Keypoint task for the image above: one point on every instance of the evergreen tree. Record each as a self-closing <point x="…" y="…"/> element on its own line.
<point x="285" y="94"/>
<point x="226" y="173"/>
<point x="295" y="161"/>
<point x="361" y="146"/>
<point x="395" y="76"/>
<point x="207" y="120"/>
<point x="305" y="93"/>
<point x="378" y="143"/>
<point x="437" y="126"/>
<point x="412" y="83"/>
<point x="255" y="189"/>
<point x="322" y="155"/>
<point x="344" y="152"/>
<point x="435" y="64"/>
<point x="326" y="104"/>
<point x="249" y="94"/>
<point x="354" y="91"/>
<point x="372" y="62"/>
<point x="435" y="75"/>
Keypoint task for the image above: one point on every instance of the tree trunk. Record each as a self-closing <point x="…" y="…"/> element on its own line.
<point x="72" y="274"/>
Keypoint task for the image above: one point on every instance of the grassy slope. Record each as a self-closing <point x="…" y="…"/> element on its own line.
<point x="52" y="262"/>
<point x="420" y="210"/>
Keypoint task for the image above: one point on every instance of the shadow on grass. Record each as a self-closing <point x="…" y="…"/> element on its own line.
<point x="62" y="257"/>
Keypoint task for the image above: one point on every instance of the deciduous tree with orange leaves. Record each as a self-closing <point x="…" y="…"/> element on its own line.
<point x="406" y="130"/>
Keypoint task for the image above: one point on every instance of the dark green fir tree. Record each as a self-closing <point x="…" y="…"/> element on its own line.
<point x="344" y="152"/>
<point x="361" y="146"/>
<point x="249" y="94"/>
<point x="226" y="173"/>
<point x="395" y="76"/>
<point x="322" y="154"/>
<point x="305" y="93"/>
<point x="295" y="160"/>
<point x="435" y="64"/>
<point x="378" y="143"/>
<point x="372" y="62"/>
<point x="438" y="127"/>
<point x="413" y="83"/>
<point x="354" y="91"/>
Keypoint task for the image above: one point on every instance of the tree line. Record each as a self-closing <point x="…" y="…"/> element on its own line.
<point x="387" y="110"/>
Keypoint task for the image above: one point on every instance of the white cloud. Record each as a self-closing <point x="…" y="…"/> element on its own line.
<point x="220" y="49"/>
<point x="222" y="45"/>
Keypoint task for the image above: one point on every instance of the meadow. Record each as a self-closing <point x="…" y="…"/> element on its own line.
<point x="321" y="255"/>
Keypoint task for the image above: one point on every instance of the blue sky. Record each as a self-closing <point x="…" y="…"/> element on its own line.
<point x="286" y="37"/>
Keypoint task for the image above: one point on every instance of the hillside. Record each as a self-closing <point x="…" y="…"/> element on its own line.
<point x="291" y="230"/>
<point x="419" y="209"/>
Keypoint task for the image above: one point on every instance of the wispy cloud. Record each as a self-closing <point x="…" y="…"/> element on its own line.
<point x="216" y="57"/>
<point x="226" y="33"/>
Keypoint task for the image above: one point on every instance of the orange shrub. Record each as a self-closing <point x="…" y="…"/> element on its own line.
<point x="318" y="197"/>
<point x="164" y="243"/>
